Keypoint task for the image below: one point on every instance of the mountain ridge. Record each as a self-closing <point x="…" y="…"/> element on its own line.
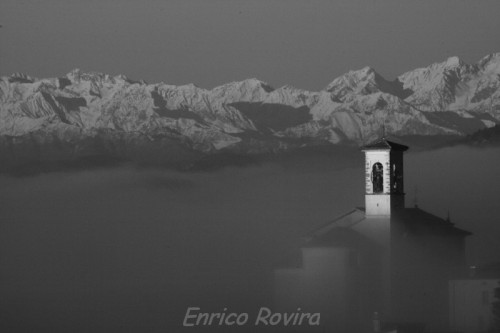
<point x="449" y="98"/>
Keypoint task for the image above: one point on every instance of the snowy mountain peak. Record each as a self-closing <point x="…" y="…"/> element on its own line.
<point x="21" y="77"/>
<point x="246" y="84"/>
<point x="454" y="62"/>
<point x="365" y="81"/>
<point x="249" y="90"/>
<point x="360" y="74"/>
<point x="287" y="87"/>
<point x="77" y="76"/>
<point x="254" y="83"/>
<point x="353" y="79"/>
<point x="291" y="96"/>
<point x="490" y="63"/>
<point x="74" y="75"/>
<point x="367" y="70"/>
<point x="453" y="84"/>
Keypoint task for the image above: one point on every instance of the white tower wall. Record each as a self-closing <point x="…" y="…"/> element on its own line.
<point x="378" y="204"/>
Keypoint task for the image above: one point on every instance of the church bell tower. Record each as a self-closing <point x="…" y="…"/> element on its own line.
<point x="384" y="188"/>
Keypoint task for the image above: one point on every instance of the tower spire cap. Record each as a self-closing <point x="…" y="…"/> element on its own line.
<point x="383" y="143"/>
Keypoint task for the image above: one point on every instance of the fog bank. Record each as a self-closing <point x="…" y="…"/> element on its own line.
<point x="128" y="249"/>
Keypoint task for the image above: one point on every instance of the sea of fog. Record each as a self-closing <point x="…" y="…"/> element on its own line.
<point x="128" y="250"/>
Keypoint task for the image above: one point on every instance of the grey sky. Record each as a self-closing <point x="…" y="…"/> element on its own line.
<point x="210" y="42"/>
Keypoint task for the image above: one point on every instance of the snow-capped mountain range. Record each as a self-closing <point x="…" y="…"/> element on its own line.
<point x="80" y="109"/>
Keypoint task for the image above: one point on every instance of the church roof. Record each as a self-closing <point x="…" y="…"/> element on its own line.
<point x="383" y="143"/>
<point x="346" y="220"/>
<point x="340" y="237"/>
<point x="413" y="219"/>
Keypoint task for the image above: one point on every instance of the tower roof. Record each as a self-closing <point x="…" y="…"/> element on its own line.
<point x="383" y="143"/>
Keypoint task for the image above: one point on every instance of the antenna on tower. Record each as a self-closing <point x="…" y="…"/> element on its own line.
<point x="415" y="199"/>
<point x="448" y="218"/>
<point x="382" y="129"/>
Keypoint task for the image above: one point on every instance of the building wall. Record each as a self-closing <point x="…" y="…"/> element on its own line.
<point x="374" y="267"/>
<point x="347" y="285"/>
<point x="470" y="304"/>
<point x="423" y="262"/>
<point x="323" y="284"/>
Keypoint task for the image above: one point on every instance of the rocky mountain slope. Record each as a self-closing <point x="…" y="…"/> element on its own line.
<point x="87" y="114"/>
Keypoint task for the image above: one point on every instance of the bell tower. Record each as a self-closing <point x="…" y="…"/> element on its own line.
<point x="384" y="188"/>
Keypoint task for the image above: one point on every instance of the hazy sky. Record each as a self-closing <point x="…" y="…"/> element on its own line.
<point x="210" y="42"/>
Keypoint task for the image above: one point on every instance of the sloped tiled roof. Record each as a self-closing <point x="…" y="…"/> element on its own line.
<point x="414" y="218"/>
<point x="343" y="221"/>
<point x="343" y="237"/>
<point x="418" y="218"/>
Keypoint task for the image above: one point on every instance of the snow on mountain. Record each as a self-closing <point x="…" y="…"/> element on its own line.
<point x="454" y="85"/>
<point x="250" y="90"/>
<point x="447" y="98"/>
<point x="363" y="82"/>
<point x="290" y="96"/>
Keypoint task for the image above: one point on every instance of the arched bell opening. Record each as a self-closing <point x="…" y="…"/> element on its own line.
<point x="378" y="178"/>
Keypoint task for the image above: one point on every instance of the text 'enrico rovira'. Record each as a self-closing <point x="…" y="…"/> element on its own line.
<point x="265" y="317"/>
